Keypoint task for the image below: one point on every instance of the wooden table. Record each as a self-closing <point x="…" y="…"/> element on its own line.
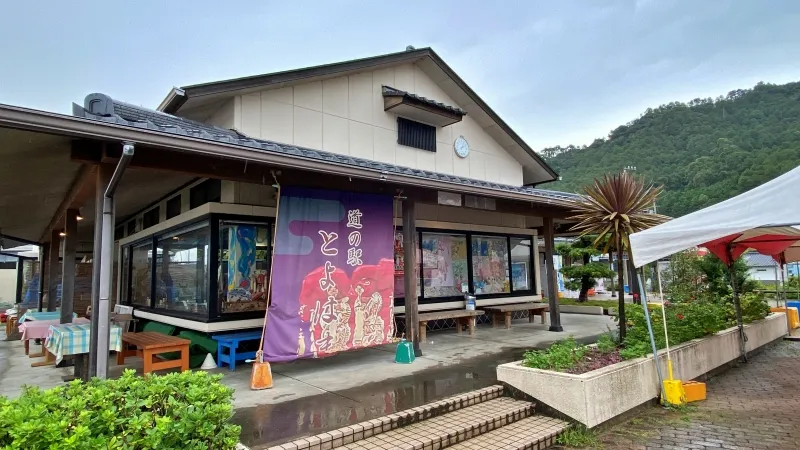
<point x="149" y="344"/>
<point x="505" y="311"/>
<point x="463" y="317"/>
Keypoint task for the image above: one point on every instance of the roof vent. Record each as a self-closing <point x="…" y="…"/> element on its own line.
<point x="99" y="105"/>
<point x="410" y="48"/>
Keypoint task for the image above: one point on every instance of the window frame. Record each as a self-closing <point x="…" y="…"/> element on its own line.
<point x="405" y="130"/>
<point x="400" y="301"/>
<point x="212" y="314"/>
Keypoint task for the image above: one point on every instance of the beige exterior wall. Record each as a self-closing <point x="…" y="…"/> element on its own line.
<point x="345" y="115"/>
<point x="224" y="116"/>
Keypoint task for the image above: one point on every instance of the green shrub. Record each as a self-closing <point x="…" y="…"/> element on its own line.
<point x="685" y="321"/>
<point x="560" y="356"/>
<point x="754" y="307"/>
<point x="188" y="410"/>
<point x="606" y="344"/>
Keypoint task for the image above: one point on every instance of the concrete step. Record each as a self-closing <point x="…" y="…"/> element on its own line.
<point x="449" y="429"/>
<point x="531" y="433"/>
<point x="370" y="428"/>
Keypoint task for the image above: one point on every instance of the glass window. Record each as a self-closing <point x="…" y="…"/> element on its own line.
<point x="490" y="265"/>
<point x="444" y="264"/>
<point x="132" y="227"/>
<point x="205" y="192"/>
<point x="151" y="217"/>
<point x="521" y="270"/>
<point x="173" y="207"/>
<point x="141" y="265"/>
<point x="399" y="267"/>
<point x="182" y="270"/>
<point x="245" y="253"/>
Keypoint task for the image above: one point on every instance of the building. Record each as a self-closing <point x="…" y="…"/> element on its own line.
<point x="196" y="202"/>
<point x="763" y="268"/>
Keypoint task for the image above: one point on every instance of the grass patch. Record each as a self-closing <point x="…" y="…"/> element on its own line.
<point x="578" y="436"/>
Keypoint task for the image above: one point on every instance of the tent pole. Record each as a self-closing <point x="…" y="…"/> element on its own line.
<point x="737" y="307"/>
<point x="652" y="342"/>
<point x="783" y="294"/>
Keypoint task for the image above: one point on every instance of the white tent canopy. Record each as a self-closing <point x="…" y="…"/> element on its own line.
<point x="771" y="205"/>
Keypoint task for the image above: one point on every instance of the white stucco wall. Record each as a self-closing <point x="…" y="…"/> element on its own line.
<point x="345" y="115"/>
<point x="8" y="286"/>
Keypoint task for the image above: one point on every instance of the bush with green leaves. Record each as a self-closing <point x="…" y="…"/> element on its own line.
<point x="560" y="356"/>
<point x="754" y="307"/>
<point x="685" y="321"/>
<point x="187" y="410"/>
<point x="606" y="344"/>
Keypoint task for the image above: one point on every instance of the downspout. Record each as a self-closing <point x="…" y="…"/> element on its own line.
<point x="107" y="261"/>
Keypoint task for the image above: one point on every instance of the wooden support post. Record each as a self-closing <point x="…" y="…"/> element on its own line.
<point x="68" y="265"/>
<point x="43" y="259"/>
<point x="410" y="246"/>
<point x="552" y="277"/>
<point x="52" y="269"/>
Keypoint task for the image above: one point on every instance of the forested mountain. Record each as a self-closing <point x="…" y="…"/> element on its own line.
<point x="702" y="152"/>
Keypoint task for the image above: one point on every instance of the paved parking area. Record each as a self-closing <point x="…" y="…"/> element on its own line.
<point x="753" y="406"/>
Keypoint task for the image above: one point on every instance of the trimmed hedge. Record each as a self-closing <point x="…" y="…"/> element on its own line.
<point x="187" y="410"/>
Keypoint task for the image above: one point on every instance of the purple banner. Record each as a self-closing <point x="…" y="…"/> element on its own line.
<point x="332" y="276"/>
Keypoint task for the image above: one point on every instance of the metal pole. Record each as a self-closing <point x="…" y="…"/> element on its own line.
<point x="783" y="294"/>
<point x="652" y="341"/>
<point x="107" y="262"/>
<point x="664" y="318"/>
<point x="101" y="183"/>
<point x="737" y="307"/>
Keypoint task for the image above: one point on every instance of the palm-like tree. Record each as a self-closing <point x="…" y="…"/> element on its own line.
<point x="613" y="208"/>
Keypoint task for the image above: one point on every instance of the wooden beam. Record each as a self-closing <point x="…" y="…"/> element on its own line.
<point x="52" y="268"/>
<point x="552" y="277"/>
<point x="78" y="193"/>
<point x="68" y="265"/>
<point x="410" y="275"/>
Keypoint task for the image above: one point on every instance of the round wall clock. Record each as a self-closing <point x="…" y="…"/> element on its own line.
<point x="461" y="146"/>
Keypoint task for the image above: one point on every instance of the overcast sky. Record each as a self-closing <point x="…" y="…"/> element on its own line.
<point x="559" y="72"/>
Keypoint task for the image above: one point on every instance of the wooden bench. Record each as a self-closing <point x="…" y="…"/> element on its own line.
<point x="463" y="317"/>
<point x="149" y="344"/>
<point x="231" y="342"/>
<point x="505" y="311"/>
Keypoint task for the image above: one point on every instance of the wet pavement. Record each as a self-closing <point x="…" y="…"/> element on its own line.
<point x="267" y="425"/>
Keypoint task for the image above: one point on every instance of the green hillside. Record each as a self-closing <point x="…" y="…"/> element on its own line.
<point x="702" y="152"/>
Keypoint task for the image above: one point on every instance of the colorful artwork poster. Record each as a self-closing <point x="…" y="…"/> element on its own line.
<point x="241" y="262"/>
<point x="333" y="274"/>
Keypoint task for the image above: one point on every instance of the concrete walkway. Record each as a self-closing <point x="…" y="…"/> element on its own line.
<point x="312" y="396"/>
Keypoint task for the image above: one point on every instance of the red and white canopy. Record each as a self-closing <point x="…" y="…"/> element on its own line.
<point x="762" y="218"/>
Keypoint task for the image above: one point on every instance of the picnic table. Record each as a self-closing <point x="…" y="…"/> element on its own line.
<point x="42" y="315"/>
<point x="73" y="339"/>
<point x="534" y="309"/>
<point x="150" y="344"/>
<point x="38" y="329"/>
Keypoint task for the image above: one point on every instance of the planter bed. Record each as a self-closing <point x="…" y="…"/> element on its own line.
<point x="594" y="397"/>
<point x="577" y="309"/>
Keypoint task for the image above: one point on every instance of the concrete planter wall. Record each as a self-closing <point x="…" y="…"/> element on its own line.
<point x="577" y="309"/>
<point x="597" y="396"/>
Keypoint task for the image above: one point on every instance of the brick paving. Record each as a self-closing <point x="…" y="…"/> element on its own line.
<point x="753" y="406"/>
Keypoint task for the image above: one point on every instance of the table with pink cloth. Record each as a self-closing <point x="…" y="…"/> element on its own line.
<point x="37" y="329"/>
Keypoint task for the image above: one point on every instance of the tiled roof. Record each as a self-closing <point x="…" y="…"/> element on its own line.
<point x="103" y="108"/>
<point x="392" y="92"/>
<point x="754" y="259"/>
